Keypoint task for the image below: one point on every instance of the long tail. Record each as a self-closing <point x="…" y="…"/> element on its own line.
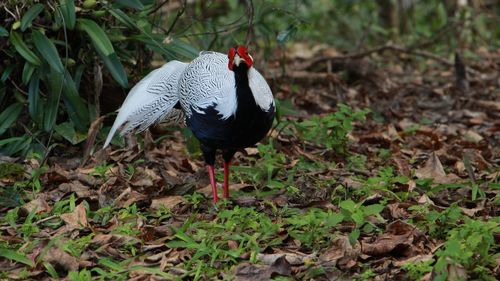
<point x="151" y="100"/>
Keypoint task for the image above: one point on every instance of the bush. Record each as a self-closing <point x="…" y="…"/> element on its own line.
<point x="52" y="50"/>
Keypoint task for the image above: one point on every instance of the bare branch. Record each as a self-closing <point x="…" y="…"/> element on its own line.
<point x="250" y="13"/>
<point x="177" y="16"/>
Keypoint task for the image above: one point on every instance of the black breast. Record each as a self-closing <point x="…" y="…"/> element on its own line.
<point x="248" y="126"/>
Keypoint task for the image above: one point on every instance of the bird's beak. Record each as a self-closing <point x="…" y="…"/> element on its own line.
<point x="237" y="59"/>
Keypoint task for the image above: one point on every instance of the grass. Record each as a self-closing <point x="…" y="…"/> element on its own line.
<point x="207" y="243"/>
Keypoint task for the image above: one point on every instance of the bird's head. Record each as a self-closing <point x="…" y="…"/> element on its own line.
<point x="239" y="55"/>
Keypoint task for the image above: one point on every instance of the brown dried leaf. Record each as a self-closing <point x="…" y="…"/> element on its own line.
<point x="58" y="257"/>
<point x="342" y="253"/>
<point x="39" y="204"/>
<point x="252" y="272"/>
<point x="78" y="188"/>
<point x="292" y="257"/>
<point x="434" y="169"/>
<point x="472" y="211"/>
<point x="398" y="210"/>
<point x="77" y="218"/>
<point x="169" y="202"/>
<point x="113" y="240"/>
<point x="398" y="237"/>
<point x="414" y="259"/>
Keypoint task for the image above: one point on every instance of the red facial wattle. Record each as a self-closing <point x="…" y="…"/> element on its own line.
<point x="230" y="55"/>
<point x="241" y="51"/>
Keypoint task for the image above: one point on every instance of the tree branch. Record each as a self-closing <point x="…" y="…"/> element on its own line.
<point x="250" y="13"/>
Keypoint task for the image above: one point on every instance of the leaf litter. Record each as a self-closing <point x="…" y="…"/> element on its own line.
<point x="428" y="154"/>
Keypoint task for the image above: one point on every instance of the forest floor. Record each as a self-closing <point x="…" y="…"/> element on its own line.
<point x="406" y="191"/>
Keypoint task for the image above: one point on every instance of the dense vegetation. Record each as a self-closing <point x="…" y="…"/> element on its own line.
<point x="383" y="162"/>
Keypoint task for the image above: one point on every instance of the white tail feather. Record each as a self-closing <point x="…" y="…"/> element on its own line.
<point x="150" y="100"/>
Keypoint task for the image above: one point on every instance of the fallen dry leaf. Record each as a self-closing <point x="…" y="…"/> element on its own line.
<point x="78" y="188"/>
<point x="169" y="202"/>
<point x="113" y="240"/>
<point x="253" y="272"/>
<point x="58" y="257"/>
<point x="39" y="204"/>
<point x="77" y="218"/>
<point x="341" y="253"/>
<point x="398" y="237"/>
<point x="433" y="169"/>
<point x="293" y="258"/>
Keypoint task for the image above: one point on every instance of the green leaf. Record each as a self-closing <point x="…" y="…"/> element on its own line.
<point x="115" y="67"/>
<point x="23" y="49"/>
<point x="27" y="72"/>
<point x="10" y="140"/>
<point x="123" y="18"/>
<point x="35" y="104"/>
<point x="30" y="15"/>
<point x="75" y="105"/>
<point x="15" y="256"/>
<point x="111" y="264"/>
<point x="181" y="48"/>
<point x="51" y="270"/>
<point x="48" y="50"/>
<point x="358" y="217"/>
<point x="9" y="116"/>
<point x="97" y="35"/>
<point x="348" y="205"/>
<point x="354" y="235"/>
<point x="68" y="13"/>
<point x="135" y="4"/>
<point x="334" y="219"/>
<point x="6" y="73"/>
<point x="373" y="209"/>
<point x="3" y="32"/>
<point x="53" y="95"/>
<point x="67" y="131"/>
<point x="287" y="34"/>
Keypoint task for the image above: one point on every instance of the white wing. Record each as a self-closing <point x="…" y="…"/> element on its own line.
<point x="260" y="89"/>
<point x="207" y="81"/>
<point x="151" y="100"/>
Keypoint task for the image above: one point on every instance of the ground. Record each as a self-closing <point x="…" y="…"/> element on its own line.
<point x="382" y="165"/>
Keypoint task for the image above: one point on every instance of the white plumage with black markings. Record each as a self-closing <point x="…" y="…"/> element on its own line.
<point x="151" y="100"/>
<point x="225" y="101"/>
<point x="208" y="81"/>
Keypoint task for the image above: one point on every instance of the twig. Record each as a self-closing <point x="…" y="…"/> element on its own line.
<point x="394" y="48"/>
<point x="216" y="31"/>
<point x="17" y="87"/>
<point x="158" y="7"/>
<point x="177" y="16"/>
<point x="46" y="219"/>
<point x="250" y="13"/>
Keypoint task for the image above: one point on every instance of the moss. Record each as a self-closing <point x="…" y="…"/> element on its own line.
<point x="11" y="170"/>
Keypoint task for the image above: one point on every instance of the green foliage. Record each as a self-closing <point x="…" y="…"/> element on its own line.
<point x="262" y="172"/>
<point x="314" y="227"/>
<point x="439" y="223"/>
<point x="11" y="170"/>
<point x="470" y="245"/>
<point x="331" y="130"/>
<point x="52" y="47"/>
<point x="250" y="230"/>
<point x="414" y="22"/>
<point x="357" y="213"/>
<point x="417" y="270"/>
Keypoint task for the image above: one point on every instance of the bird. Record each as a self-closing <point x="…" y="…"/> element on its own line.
<point x="222" y="98"/>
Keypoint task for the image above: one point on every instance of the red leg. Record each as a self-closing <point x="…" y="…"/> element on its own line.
<point x="226" y="179"/>
<point x="211" y="174"/>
